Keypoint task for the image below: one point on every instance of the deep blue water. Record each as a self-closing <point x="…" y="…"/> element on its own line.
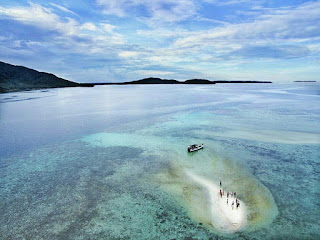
<point x="84" y="163"/>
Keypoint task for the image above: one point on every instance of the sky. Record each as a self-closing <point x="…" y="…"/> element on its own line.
<point x="124" y="40"/>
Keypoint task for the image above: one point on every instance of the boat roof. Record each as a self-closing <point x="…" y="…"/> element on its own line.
<point x="194" y="145"/>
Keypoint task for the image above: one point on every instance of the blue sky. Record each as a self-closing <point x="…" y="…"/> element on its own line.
<point x="120" y="40"/>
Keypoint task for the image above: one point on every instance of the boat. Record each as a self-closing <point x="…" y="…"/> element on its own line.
<point x="195" y="147"/>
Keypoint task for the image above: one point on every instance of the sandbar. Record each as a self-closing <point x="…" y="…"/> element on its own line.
<point x="223" y="217"/>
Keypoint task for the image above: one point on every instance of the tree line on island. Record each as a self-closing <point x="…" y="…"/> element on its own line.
<point x="18" y="78"/>
<point x="153" y="80"/>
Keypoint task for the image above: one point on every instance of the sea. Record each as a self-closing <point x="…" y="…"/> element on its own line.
<point x="109" y="162"/>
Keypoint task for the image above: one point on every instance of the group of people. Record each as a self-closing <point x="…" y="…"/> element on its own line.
<point x="232" y="194"/>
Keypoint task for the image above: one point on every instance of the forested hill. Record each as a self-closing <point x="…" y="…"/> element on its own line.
<point x="18" y="78"/>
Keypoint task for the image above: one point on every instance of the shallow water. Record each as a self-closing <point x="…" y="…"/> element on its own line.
<point x="109" y="162"/>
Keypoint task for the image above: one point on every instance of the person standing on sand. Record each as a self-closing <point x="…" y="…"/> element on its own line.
<point x="232" y="205"/>
<point x="227" y="201"/>
<point x="234" y="194"/>
<point x="227" y="194"/>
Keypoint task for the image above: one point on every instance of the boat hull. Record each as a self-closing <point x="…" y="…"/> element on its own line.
<point x="195" y="148"/>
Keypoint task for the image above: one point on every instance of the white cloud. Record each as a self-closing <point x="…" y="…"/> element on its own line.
<point x="41" y="17"/>
<point x="108" y="27"/>
<point x="159" y="10"/>
<point x="114" y="7"/>
<point x="154" y="73"/>
<point x="314" y="47"/>
<point x="129" y="54"/>
<point x="164" y="11"/>
<point x="89" y="26"/>
<point x="12" y="52"/>
<point x="72" y="35"/>
<point x="283" y="26"/>
<point x="231" y="2"/>
<point x="277" y="34"/>
<point x="163" y="32"/>
<point x="64" y="9"/>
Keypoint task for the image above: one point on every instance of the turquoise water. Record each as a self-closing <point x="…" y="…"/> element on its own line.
<point x="108" y="162"/>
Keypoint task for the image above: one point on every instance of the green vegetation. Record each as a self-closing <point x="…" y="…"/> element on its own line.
<point x="17" y="78"/>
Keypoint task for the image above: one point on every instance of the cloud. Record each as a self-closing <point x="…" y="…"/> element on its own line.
<point x="13" y="52"/>
<point x="164" y="33"/>
<point x="299" y="23"/>
<point x="157" y="10"/>
<point x="108" y="27"/>
<point x="130" y="54"/>
<point x="279" y="33"/>
<point x="232" y="2"/>
<point x="69" y="33"/>
<point x="60" y="40"/>
<point x="285" y="52"/>
<point x="154" y="73"/>
<point x="89" y="26"/>
<point x="64" y="9"/>
<point x="168" y="38"/>
<point x="40" y="17"/>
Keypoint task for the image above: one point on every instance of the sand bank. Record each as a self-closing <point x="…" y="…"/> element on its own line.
<point x="222" y="216"/>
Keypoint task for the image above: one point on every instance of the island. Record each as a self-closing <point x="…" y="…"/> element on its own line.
<point x="305" y="81"/>
<point x="18" y="78"/>
<point x="152" y="80"/>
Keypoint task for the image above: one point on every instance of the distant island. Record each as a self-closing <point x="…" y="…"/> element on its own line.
<point x="152" y="80"/>
<point x="18" y="78"/>
<point x="305" y="81"/>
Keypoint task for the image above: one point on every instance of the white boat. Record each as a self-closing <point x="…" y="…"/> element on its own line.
<point x="195" y="147"/>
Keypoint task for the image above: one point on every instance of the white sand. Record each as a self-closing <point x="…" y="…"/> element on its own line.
<point x="223" y="217"/>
